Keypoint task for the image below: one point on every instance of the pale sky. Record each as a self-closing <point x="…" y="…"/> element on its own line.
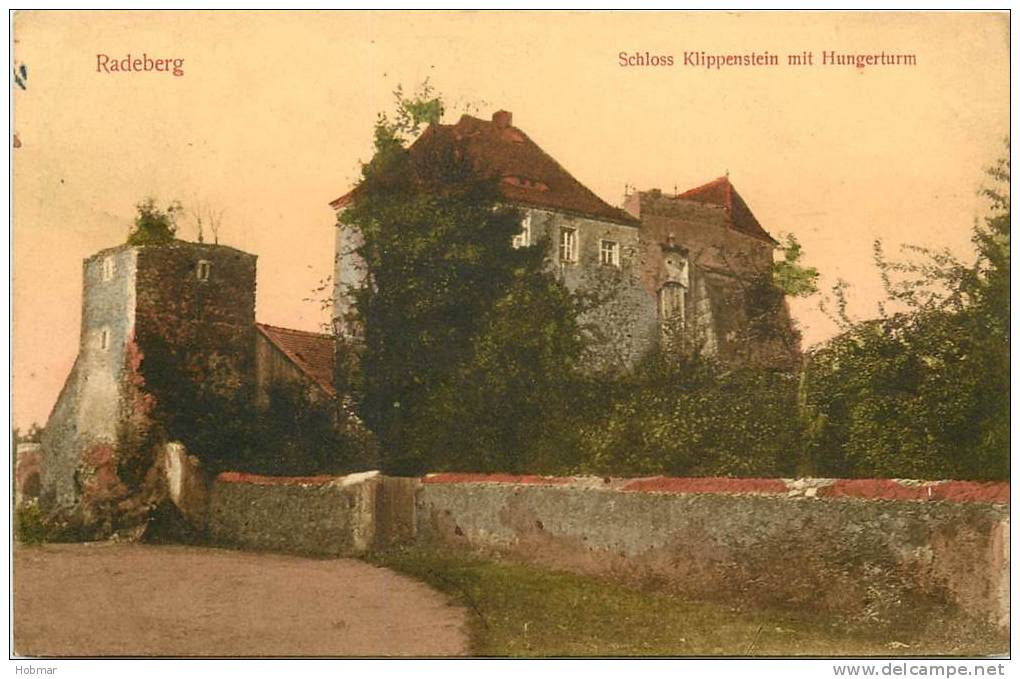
<point x="275" y="110"/>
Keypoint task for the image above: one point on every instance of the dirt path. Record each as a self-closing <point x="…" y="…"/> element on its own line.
<point x="128" y="599"/>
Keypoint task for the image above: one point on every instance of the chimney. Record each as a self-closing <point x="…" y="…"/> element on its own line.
<point x="502" y="119"/>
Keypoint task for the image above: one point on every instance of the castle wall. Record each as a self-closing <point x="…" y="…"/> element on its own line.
<point x="109" y="306"/>
<point x="862" y="549"/>
<point x="702" y="229"/>
<point x="27" y="466"/>
<point x="209" y="324"/>
<point x="626" y="322"/>
<point x="321" y="515"/>
<point x="348" y="274"/>
<point x="721" y="264"/>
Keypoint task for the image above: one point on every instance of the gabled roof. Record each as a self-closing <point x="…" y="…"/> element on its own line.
<point x="721" y="192"/>
<point x="310" y="352"/>
<point x="527" y="175"/>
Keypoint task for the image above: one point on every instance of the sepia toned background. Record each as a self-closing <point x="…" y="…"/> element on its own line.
<point x="275" y="110"/>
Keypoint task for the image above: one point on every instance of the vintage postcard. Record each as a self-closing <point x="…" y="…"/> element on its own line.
<point x="511" y="334"/>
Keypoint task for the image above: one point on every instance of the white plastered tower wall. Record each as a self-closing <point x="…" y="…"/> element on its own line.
<point x="90" y="404"/>
<point x="349" y="275"/>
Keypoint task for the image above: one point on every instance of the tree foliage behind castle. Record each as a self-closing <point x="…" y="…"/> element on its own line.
<point x="791" y="276"/>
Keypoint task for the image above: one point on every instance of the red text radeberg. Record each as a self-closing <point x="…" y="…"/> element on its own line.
<point x="128" y="64"/>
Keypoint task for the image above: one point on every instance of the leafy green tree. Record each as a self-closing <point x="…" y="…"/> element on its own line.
<point x="770" y="338"/>
<point x="464" y="335"/>
<point x="923" y="391"/>
<point x="296" y="434"/>
<point x="508" y="406"/>
<point x="791" y="276"/>
<point x="154" y="226"/>
<point x="220" y="420"/>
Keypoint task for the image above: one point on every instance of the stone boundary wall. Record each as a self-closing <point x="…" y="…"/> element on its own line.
<point x="870" y="549"/>
<point x="320" y="515"/>
<point x="864" y="548"/>
<point x="325" y="516"/>
<point x="865" y="489"/>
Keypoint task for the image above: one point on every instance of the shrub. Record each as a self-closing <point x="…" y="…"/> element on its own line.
<point x="29" y="528"/>
<point x="690" y="416"/>
<point x="154" y="226"/>
<point x="33" y="527"/>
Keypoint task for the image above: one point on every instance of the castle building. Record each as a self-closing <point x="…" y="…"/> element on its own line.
<point x="188" y="309"/>
<point x="726" y="254"/>
<point x="284" y="355"/>
<point x="678" y="266"/>
<point x="594" y="243"/>
<point x="179" y="295"/>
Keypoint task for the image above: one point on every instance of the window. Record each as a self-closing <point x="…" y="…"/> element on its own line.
<point x="676" y="270"/>
<point x="609" y="253"/>
<point x="568" y="245"/>
<point x="202" y="272"/>
<point x="671" y="303"/>
<point x="523" y="239"/>
<point x="104" y="339"/>
<point x="108" y="269"/>
<point x="525" y="182"/>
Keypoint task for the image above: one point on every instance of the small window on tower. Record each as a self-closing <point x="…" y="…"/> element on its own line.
<point x="672" y="301"/>
<point x="108" y="269"/>
<point x="202" y="272"/>
<point x="523" y="239"/>
<point x="568" y="245"/>
<point x="609" y="253"/>
<point x="104" y="339"/>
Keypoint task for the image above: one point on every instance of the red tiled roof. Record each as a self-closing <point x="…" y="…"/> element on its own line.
<point x="527" y="174"/>
<point x="310" y="352"/>
<point x="721" y="192"/>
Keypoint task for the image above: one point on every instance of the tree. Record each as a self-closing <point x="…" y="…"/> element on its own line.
<point x="509" y="405"/>
<point x="789" y="275"/>
<point x="154" y="226"/>
<point x="462" y="332"/>
<point x="770" y="338"/>
<point x="206" y="216"/>
<point x="923" y="391"/>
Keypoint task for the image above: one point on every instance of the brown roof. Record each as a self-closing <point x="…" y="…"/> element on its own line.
<point x="527" y="175"/>
<point x="310" y="352"/>
<point x="722" y="193"/>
